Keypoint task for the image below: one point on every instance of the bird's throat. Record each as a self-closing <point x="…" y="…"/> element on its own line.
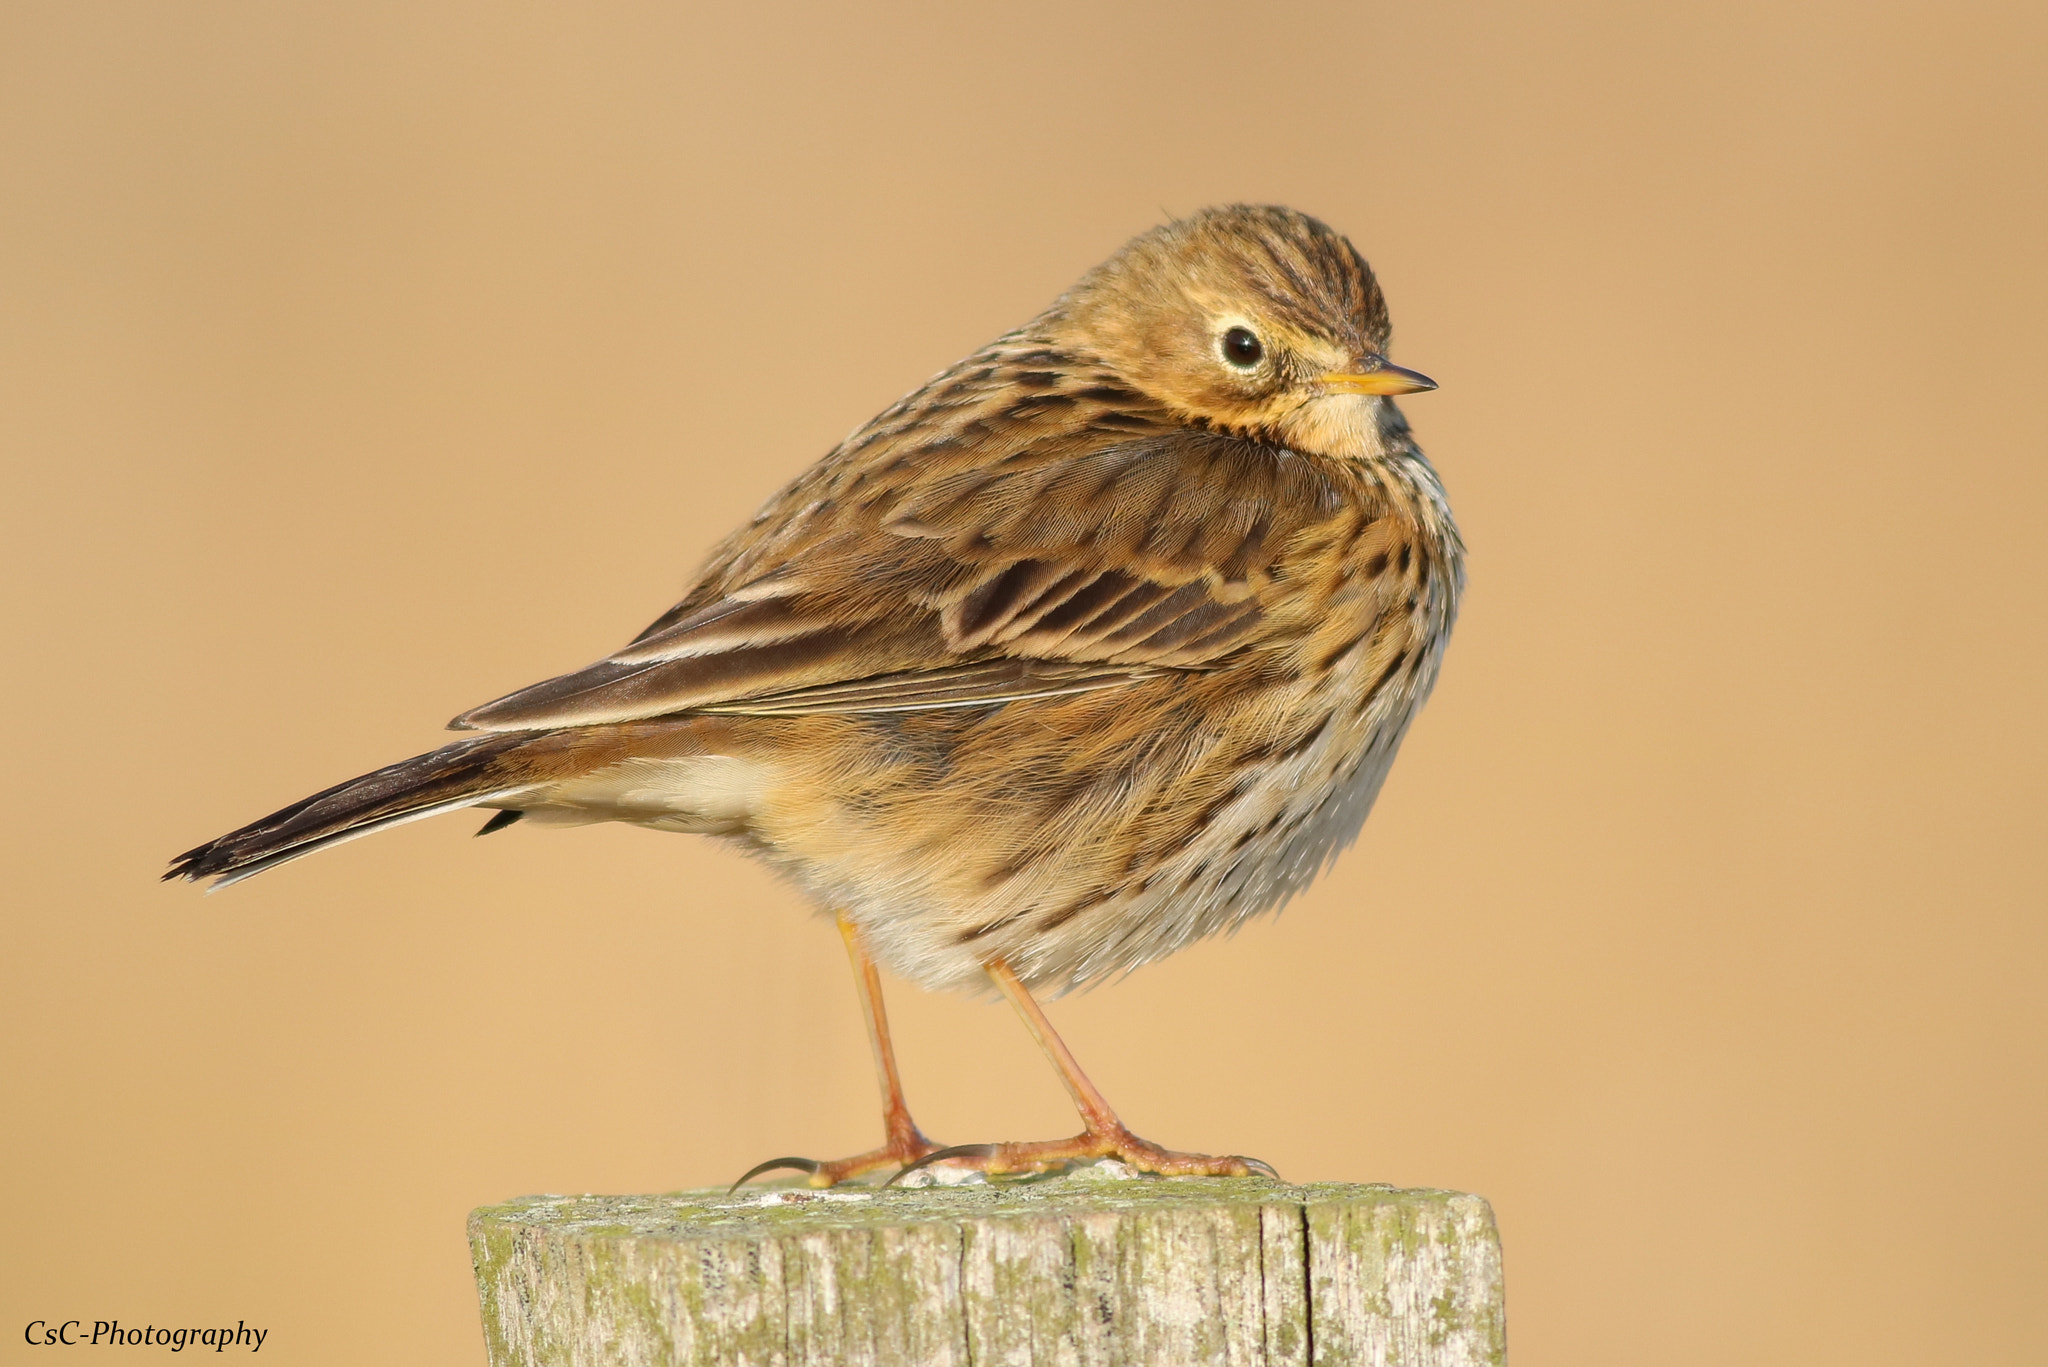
<point x="1340" y="426"/>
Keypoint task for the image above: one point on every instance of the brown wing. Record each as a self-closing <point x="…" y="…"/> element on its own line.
<point x="1061" y="568"/>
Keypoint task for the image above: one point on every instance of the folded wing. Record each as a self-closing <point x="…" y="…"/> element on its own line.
<point x="1063" y="568"/>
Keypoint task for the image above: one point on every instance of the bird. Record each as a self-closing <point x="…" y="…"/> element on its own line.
<point x="1098" y="643"/>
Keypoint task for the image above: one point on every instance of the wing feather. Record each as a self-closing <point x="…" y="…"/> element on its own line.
<point x="975" y="685"/>
<point x="1071" y="565"/>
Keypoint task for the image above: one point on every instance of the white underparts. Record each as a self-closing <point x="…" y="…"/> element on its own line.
<point x="697" y="794"/>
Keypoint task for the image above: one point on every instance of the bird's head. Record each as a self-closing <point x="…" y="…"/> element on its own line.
<point x="1250" y="318"/>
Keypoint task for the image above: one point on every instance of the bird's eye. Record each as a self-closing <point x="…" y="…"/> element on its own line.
<point x="1241" y="348"/>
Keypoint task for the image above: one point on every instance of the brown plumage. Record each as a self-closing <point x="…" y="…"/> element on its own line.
<point x="1096" y="644"/>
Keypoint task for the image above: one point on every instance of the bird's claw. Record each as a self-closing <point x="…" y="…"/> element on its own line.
<point x="906" y="1145"/>
<point x="945" y="1155"/>
<point x="804" y="1165"/>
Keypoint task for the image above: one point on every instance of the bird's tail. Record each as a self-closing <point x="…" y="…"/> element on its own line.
<point x="465" y="774"/>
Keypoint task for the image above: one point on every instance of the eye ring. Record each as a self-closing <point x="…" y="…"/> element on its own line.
<point x="1241" y="348"/>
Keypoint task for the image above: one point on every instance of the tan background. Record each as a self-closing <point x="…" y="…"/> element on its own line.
<point x="364" y="361"/>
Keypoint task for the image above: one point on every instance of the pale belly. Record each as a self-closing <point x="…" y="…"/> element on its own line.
<point x="1131" y="870"/>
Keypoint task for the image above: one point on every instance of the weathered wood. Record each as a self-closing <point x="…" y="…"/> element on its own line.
<point x="1074" y="1270"/>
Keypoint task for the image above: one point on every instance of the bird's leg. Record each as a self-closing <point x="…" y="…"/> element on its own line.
<point x="1102" y="1134"/>
<point x="903" y="1143"/>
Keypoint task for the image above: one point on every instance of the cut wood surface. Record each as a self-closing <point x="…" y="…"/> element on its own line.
<point x="1082" y="1269"/>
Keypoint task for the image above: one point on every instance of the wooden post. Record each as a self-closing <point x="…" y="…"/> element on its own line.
<point x="1080" y="1269"/>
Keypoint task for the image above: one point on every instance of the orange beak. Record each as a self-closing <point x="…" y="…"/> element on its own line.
<point x="1378" y="375"/>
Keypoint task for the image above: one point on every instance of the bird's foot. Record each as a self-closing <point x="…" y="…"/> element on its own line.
<point x="1114" y="1142"/>
<point x="906" y="1148"/>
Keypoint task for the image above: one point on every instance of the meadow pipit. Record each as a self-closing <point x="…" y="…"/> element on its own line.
<point x="1098" y="643"/>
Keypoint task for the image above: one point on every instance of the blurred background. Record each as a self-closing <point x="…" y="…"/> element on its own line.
<point x="360" y="362"/>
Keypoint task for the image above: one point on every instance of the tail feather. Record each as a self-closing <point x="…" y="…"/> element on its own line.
<point x="459" y="775"/>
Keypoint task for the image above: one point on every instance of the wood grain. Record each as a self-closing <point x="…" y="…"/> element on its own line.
<point x="1075" y="1270"/>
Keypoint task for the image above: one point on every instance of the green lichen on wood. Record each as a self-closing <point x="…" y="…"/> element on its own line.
<point x="1074" y="1270"/>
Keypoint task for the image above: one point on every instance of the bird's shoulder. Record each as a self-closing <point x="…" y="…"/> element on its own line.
<point x="1022" y="399"/>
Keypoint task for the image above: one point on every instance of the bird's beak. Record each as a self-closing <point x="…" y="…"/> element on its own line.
<point x="1378" y="375"/>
